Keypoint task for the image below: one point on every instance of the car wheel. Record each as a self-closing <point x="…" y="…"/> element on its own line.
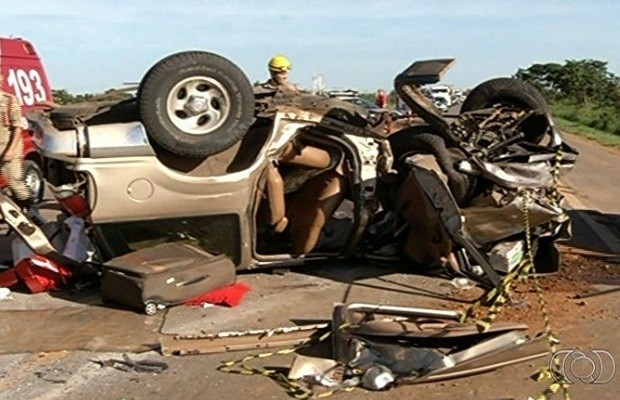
<point x="515" y="93"/>
<point x="196" y="104"/>
<point x="33" y="177"/>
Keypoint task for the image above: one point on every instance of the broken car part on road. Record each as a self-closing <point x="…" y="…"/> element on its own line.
<point x="127" y="364"/>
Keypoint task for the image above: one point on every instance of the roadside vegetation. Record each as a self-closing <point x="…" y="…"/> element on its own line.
<point x="583" y="95"/>
<point x="63" y="97"/>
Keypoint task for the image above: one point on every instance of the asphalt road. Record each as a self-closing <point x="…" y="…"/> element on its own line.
<point x="595" y="178"/>
<point x="277" y="300"/>
<point x="593" y="191"/>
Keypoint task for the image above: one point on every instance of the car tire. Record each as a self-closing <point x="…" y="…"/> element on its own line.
<point x="515" y="93"/>
<point x="196" y="104"/>
<point x="33" y="177"/>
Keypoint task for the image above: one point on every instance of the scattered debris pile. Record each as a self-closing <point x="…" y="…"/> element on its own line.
<point x="378" y="346"/>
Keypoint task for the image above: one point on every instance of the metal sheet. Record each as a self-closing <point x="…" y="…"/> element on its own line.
<point x="526" y="351"/>
<point x="411" y="329"/>
<point x="222" y="343"/>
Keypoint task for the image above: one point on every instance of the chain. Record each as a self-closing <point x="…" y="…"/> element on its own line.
<point x="291" y="387"/>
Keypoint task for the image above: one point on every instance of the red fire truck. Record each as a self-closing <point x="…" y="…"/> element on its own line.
<point x="25" y="77"/>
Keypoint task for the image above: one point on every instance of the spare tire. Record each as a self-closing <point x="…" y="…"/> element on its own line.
<point x="515" y="93"/>
<point x="196" y="104"/>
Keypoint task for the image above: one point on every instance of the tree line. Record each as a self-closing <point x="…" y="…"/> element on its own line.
<point x="582" y="91"/>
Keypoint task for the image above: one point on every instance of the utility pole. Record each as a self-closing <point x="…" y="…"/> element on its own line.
<point x="318" y="84"/>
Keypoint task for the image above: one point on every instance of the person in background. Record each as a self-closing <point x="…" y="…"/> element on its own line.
<point x="279" y="68"/>
<point x="382" y="100"/>
<point x="12" y="146"/>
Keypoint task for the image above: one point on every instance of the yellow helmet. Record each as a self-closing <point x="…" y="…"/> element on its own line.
<point x="280" y="64"/>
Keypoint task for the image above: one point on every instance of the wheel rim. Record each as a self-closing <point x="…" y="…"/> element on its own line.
<point x="150" y="308"/>
<point x="33" y="181"/>
<point x="198" y="105"/>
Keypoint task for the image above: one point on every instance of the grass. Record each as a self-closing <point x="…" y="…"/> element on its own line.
<point x="602" y="137"/>
<point x="600" y="123"/>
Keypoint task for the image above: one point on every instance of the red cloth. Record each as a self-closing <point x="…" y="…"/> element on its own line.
<point x="228" y="296"/>
<point x="8" y="278"/>
<point x="41" y="274"/>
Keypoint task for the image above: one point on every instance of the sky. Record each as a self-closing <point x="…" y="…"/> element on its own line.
<point x="89" y="46"/>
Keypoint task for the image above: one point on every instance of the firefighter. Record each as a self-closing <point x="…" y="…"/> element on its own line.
<point x="12" y="146"/>
<point x="279" y="68"/>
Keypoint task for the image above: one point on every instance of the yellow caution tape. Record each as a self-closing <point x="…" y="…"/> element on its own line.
<point x="291" y="387"/>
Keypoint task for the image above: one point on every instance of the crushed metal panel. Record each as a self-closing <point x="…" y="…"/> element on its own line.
<point x="494" y="223"/>
<point x="236" y="341"/>
<point x="417" y="352"/>
<point x="35" y="238"/>
<point x="407" y="86"/>
<point x="345" y="315"/>
<point x="422" y="106"/>
<point x="528" y="350"/>
<point x="426" y="329"/>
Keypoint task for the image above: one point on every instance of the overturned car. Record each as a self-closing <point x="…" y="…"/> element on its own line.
<point x="279" y="178"/>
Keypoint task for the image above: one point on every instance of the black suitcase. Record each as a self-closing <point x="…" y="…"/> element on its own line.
<point x="164" y="275"/>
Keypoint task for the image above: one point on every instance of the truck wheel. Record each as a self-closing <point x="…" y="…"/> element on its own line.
<point x="196" y="104"/>
<point x="511" y="92"/>
<point x="33" y="177"/>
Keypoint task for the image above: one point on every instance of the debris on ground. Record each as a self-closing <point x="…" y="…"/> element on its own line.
<point x="129" y="365"/>
<point x="375" y="346"/>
